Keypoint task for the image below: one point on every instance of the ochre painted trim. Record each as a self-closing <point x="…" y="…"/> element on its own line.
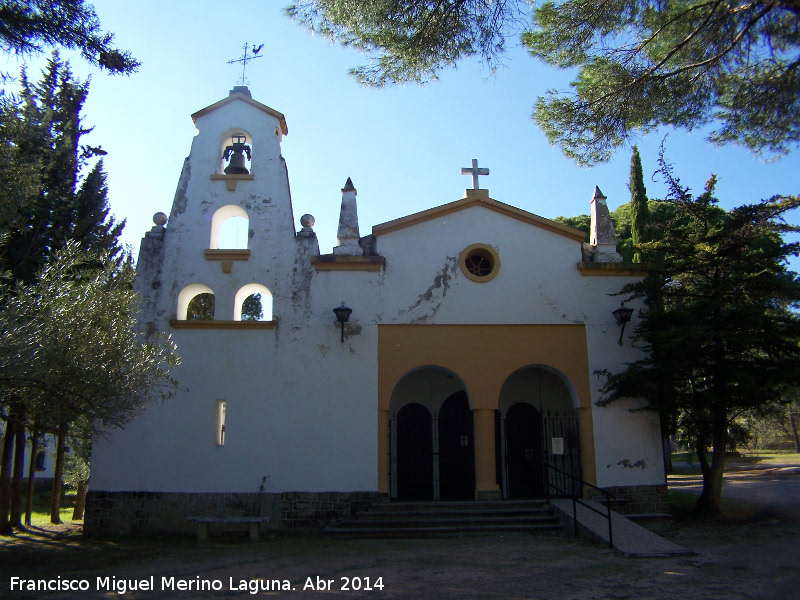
<point x="333" y="262"/>
<point x="495" y="258"/>
<point x="231" y="180"/>
<point x="486" y="202"/>
<point x="226" y="254"/>
<point x="609" y="269"/>
<point x="483" y="356"/>
<point x="258" y="105"/>
<point x="198" y="324"/>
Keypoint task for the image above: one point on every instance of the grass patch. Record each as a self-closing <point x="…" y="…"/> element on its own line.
<point x="767" y="457"/>
<point x="760" y="457"/>
<point x="681" y="503"/>
<point x="40" y="515"/>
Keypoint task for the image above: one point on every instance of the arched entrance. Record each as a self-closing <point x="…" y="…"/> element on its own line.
<point x="537" y="426"/>
<point x="456" y="449"/>
<point x="431" y="438"/>
<point x="524" y="459"/>
<point x="414" y="453"/>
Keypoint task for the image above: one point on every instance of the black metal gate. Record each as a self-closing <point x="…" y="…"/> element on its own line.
<point x="561" y="435"/>
<point x="529" y="441"/>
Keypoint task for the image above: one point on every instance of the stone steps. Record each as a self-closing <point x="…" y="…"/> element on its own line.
<point x="441" y="519"/>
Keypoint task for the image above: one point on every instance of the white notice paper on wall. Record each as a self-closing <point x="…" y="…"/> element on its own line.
<point x="558" y="445"/>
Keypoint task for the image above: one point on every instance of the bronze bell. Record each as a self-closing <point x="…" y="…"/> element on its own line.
<point x="236" y="152"/>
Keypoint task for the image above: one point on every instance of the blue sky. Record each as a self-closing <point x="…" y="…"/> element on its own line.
<point x="403" y="147"/>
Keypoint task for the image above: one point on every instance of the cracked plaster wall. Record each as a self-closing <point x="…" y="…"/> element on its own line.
<point x="301" y="405"/>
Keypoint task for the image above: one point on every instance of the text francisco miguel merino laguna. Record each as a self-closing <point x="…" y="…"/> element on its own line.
<point x="121" y="586"/>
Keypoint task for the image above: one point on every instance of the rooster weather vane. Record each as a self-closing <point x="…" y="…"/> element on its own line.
<point x="244" y="59"/>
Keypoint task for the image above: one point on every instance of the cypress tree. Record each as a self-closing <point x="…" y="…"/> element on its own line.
<point x="640" y="216"/>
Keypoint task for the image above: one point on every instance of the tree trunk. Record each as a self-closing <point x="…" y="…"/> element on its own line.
<point x="5" y="475"/>
<point x="31" y="477"/>
<point x="666" y="447"/>
<point x="709" y="501"/>
<point x="792" y="417"/>
<point x="55" y="503"/>
<point x="80" y="500"/>
<point x="15" y="517"/>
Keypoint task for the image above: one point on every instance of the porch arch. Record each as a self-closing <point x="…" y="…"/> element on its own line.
<point x="484" y="356"/>
<point x="431" y="437"/>
<point x="537" y="425"/>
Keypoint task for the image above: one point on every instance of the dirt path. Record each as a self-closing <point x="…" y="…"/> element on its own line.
<point x="751" y="553"/>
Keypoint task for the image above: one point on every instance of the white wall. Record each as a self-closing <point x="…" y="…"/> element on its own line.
<point x="301" y="405"/>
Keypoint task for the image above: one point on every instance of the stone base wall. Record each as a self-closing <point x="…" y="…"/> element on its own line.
<point x="636" y="499"/>
<point x="132" y="513"/>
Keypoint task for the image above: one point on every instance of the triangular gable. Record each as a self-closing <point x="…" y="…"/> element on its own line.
<point x="249" y="100"/>
<point x="479" y="198"/>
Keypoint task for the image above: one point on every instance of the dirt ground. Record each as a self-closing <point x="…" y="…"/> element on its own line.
<point x="749" y="553"/>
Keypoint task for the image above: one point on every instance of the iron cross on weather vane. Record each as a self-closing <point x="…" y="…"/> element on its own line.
<point x="474" y="171"/>
<point x="244" y="59"/>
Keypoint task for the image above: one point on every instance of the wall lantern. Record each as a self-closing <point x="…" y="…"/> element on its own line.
<point x="622" y="315"/>
<point x="343" y="316"/>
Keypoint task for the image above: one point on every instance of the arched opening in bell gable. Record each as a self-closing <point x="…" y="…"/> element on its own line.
<point x="235" y="153"/>
<point x="195" y="302"/>
<point x="230" y="228"/>
<point x="253" y="302"/>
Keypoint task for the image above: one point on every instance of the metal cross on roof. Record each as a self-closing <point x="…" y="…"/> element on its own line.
<point x="244" y="59"/>
<point x="474" y="171"/>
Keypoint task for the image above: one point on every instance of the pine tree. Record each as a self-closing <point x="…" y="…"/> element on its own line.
<point x="27" y="27"/>
<point x="721" y="329"/>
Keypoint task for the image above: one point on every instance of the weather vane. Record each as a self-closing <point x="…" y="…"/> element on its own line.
<point x="244" y="59"/>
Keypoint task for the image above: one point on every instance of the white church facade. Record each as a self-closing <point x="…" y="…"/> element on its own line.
<point x="465" y="366"/>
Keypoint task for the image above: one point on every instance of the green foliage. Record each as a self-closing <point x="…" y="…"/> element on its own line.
<point x="201" y="308"/>
<point x="69" y="344"/>
<point x="721" y="328"/>
<point x="582" y="222"/>
<point x="76" y="469"/>
<point x="251" y="308"/>
<point x="640" y="214"/>
<point x="643" y="64"/>
<point x="411" y="41"/>
<point x="640" y="63"/>
<point x="50" y="204"/>
<point x="27" y="27"/>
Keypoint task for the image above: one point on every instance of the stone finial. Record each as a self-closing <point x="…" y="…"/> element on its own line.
<point x="602" y="237"/>
<point x="157" y="231"/>
<point x="348" y="234"/>
<point x="307" y="221"/>
<point x="598" y="194"/>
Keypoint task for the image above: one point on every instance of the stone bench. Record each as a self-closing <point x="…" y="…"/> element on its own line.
<point x="204" y="522"/>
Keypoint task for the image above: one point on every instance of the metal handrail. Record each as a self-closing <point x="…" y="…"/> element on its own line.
<point x="576" y="500"/>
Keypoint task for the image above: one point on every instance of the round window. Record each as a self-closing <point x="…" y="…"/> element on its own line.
<point x="480" y="262"/>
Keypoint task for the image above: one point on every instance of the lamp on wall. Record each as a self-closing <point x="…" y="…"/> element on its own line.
<point x="343" y="316"/>
<point x="622" y="315"/>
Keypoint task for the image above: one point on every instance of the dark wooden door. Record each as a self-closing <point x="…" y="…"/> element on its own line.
<point x="524" y="457"/>
<point x="456" y="449"/>
<point x="414" y="453"/>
